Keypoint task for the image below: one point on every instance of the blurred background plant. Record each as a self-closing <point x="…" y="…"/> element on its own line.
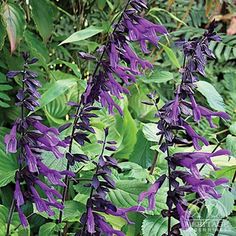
<point x="55" y="32"/>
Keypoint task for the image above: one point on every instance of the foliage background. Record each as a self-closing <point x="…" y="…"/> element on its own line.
<point x="39" y="26"/>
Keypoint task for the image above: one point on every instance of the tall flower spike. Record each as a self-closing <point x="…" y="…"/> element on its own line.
<point x="172" y="118"/>
<point x="29" y="137"/>
<point x="117" y="66"/>
<point x="92" y="221"/>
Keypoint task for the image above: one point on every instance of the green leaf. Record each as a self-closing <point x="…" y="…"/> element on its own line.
<point x="3" y="33"/>
<point x="83" y="34"/>
<point x="37" y="48"/>
<point x="157" y="76"/>
<point x="56" y="89"/>
<point x="232" y="128"/>
<point x="101" y="4"/>
<point x="127" y="130"/>
<point x="231" y="144"/>
<point x="8" y="163"/>
<point x="126" y="192"/>
<point x="170" y="53"/>
<point x="142" y="153"/>
<point x="157" y="9"/>
<point x="150" y="132"/>
<point x="14" y="18"/>
<point x="154" y="226"/>
<point x="214" y="99"/>
<point x="48" y="229"/>
<point x="43" y="12"/>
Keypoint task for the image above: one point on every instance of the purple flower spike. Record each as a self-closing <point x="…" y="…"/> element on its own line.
<point x="30" y="138"/>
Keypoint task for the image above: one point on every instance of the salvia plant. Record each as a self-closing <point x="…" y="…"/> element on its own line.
<point x="118" y="64"/>
<point x="174" y="127"/>
<point x="29" y="138"/>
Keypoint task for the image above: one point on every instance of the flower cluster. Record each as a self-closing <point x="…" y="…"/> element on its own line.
<point x="93" y="222"/>
<point x="172" y="119"/>
<point x="28" y="138"/>
<point x="119" y="63"/>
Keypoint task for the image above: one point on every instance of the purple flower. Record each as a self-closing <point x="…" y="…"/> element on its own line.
<point x="18" y="194"/>
<point x="31" y="159"/>
<point x="194" y="136"/>
<point x="190" y="160"/>
<point x="184" y="216"/>
<point x="11" y="140"/>
<point x="91" y="223"/>
<point x="22" y="217"/>
<point x="122" y="212"/>
<point x="151" y="193"/>
<point x="208" y="114"/>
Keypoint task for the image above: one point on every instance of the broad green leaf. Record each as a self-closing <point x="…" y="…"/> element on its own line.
<point x="157" y="76"/>
<point x="150" y="132"/>
<point x="214" y="99"/>
<point x="8" y="162"/>
<point x="83" y="34"/>
<point x="142" y="153"/>
<point x="14" y="18"/>
<point x="126" y="127"/>
<point x="231" y="144"/>
<point x="43" y="13"/>
<point x="170" y="53"/>
<point x="56" y="89"/>
<point x="154" y="226"/>
<point x="48" y="229"/>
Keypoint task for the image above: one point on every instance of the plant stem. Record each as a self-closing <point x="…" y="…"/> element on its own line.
<point x="10" y="216"/>
<point x="154" y="163"/>
<point x="169" y="191"/>
<point x="95" y="174"/>
<point x="78" y="110"/>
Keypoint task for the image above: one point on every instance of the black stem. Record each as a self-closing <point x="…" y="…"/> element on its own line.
<point x="78" y="110"/>
<point x="169" y="192"/>
<point x="95" y="174"/>
<point x="12" y="208"/>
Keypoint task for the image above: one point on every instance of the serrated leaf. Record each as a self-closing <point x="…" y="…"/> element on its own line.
<point x="83" y="34"/>
<point x="154" y="226"/>
<point x="43" y="12"/>
<point x="14" y="19"/>
<point x="214" y="99"/>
